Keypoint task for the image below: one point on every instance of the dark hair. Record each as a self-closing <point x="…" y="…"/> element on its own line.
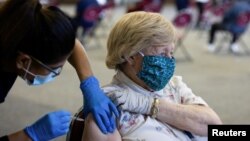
<point x="45" y="33"/>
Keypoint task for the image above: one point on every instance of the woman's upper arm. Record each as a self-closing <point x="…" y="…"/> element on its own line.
<point x="92" y="132"/>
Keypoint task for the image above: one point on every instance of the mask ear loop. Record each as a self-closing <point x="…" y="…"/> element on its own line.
<point x="130" y="63"/>
<point x="141" y="53"/>
<point x="128" y="60"/>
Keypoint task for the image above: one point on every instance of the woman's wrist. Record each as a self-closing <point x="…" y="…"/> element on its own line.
<point x="155" y="108"/>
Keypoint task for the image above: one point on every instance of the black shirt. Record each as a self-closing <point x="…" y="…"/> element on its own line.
<point x="7" y="80"/>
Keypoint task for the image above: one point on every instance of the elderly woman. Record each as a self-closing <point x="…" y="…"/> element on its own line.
<point x="155" y="105"/>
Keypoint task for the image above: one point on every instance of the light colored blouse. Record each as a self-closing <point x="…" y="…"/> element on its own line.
<point x="138" y="127"/>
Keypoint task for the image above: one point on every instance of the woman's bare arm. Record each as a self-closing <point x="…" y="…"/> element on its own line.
<point x="91" y="132"/>
<point x="193" y="118"/>
<point x="19" y="136"/>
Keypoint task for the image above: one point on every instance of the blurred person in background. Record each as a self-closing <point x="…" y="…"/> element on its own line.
<point x="231" y="23"/>
<point x="87" y="22"/>
<point x="35" y="43"/>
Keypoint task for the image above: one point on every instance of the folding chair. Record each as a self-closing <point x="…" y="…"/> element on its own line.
<point x="183" y="23"/>
<point x="212" y="14"/>
<point x="242" y="20"/>
<point x="89" y="17"/>
<point x="76" y="127"/>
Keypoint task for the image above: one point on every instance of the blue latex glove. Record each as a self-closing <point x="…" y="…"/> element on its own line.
<point x="97" y="103"/>
<point x="50" y="126"/>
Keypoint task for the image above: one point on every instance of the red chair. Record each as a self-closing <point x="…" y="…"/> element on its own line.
<point x="90" y="19"/>
<point x="183" y="23"/>
<point x="92" y="13"/>
<point x="218" y="11"/>
<point x="182" y="20"/>
<point x="243" y="19"/>
<point x="147" y="5"/>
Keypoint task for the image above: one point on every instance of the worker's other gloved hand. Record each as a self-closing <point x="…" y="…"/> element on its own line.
<point x="50" y="126"/>
<point x="132" y="101"/>
<point x="97" y="103"/>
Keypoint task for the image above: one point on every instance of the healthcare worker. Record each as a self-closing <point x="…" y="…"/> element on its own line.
<point x="35" y="43"/>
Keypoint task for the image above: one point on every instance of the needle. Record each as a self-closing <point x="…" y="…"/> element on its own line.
<point x="77" y="118"/>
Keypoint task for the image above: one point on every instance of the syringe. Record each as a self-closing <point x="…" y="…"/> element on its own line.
<point x="76" y="118"/>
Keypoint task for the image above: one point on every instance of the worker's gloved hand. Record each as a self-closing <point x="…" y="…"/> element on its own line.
<point x="50" y="126"/>
<point x="97" y="103"/>
<point x="128" y="100"/>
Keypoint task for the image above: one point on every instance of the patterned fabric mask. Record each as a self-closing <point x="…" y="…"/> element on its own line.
<point x="156" y="71"/>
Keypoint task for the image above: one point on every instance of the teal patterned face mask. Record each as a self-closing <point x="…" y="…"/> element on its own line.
<point x="156" y="71"/>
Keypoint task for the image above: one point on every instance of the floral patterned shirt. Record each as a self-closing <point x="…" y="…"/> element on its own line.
<point x="138" y="127"/>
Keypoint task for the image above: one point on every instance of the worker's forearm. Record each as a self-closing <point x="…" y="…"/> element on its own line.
<point x="19" y="136"/>
<point x="79" y="60"/>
